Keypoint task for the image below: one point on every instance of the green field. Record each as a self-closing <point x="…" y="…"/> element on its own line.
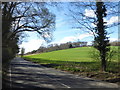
<point x="74" y="59"/>
<point x="74" y="54"/>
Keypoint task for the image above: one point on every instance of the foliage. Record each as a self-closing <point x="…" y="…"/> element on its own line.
<point x="22" y="51"/>
<point x="112" y="54"/>
<point x="94" y="24"/>
<point x="70" y="46"/>
<point x="101" y="39"/>
<point x="95" y="55"/>
<point x="110" y="58"/>
<point x="18" y="17"/>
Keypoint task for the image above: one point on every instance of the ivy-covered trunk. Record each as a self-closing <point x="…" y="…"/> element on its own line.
<point x="101" y="39"/>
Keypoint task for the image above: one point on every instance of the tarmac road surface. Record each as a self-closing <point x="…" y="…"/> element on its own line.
<point x="25" y="74"/>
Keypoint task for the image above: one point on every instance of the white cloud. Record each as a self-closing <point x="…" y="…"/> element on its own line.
<point x="72" y="38"/>
<point x="113" y="19"/>
<point x="68" y="39"/>
<point x="60" y="24"/>
<point x="89" y="13"/>
<point x="84" y="36"/>
<point x="32" y="45"/>
<point x="65" y="40"/>
<point x="113" y="39"/>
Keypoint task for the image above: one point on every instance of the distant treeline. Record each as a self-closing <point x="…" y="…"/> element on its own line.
<point x="54" y="47"/>
<point x="115" y="43"/>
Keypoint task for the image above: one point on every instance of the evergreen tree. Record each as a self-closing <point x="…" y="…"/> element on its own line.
<point x="22" y="51"/>
<point x="101" y="39"/>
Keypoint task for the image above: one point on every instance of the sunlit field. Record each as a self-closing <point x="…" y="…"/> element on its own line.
<point x="74" y="59"/>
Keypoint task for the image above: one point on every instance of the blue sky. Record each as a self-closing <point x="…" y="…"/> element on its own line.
<point x="65" y="33"/>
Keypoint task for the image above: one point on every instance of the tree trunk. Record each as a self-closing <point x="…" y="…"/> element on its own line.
<point x="103" y="61"/>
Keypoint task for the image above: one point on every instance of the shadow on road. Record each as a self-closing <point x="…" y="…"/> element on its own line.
<point x="25" y="74"/>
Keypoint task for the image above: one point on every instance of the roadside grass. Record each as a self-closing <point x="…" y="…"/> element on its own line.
<point x="78" y="61"/>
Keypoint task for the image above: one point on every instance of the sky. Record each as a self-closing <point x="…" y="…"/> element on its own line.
<point x="65" y="33"/>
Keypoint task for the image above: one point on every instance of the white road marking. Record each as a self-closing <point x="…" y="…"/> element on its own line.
<point x="60" y="82"/>
<point x="10" y="75"/>
<point x="65" y="85"/>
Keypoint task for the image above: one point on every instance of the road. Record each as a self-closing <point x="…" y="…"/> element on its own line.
<point x="25" y="74"/>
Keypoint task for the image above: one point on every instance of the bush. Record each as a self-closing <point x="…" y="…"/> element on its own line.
<point x="95" y="55"/>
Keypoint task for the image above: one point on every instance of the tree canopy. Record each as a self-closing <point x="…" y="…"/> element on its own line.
<point x="95" y="18"/>
<point x="27" y="16"/>
<point x="18" y="17"/>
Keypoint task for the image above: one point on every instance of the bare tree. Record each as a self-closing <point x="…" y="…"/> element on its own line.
<point x="27" y="16"/>
<point x="90" y="17"/>
<point x="19" y="17"/>
<point x="83" y="15"/>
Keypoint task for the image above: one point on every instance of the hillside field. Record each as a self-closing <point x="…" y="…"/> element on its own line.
<point x="73" y="56"/>
<point x="79" y="61"/>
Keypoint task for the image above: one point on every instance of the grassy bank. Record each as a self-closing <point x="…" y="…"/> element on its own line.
<point x="78" y="61"/>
